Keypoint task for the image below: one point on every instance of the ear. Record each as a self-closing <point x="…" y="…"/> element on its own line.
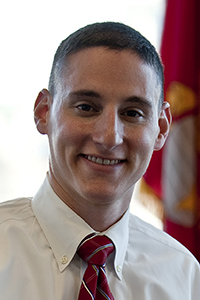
<point x="41" y="110"/>
<point x="164" y="123"/>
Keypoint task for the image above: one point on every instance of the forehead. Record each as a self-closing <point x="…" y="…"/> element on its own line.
<point x="118" y="71"/>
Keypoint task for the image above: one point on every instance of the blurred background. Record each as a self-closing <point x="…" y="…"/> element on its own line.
<point x="30" y="34"/>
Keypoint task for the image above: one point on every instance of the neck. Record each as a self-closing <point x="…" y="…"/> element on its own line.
<point x="98" y="216"/>
<point x="102" y="218"/>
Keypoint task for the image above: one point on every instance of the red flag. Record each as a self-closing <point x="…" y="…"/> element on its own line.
<point x="174" y="172"/>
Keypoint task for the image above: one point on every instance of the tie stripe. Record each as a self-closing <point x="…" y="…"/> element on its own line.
<point x="98" y="249"/>
<point x="103" y="293"/>
<point x="87" y="289"/>
<point x="96" y="270"/>
<point x="94" y="251"/>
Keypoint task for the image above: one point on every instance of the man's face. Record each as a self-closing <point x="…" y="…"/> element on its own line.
<point x="103" y="125"/>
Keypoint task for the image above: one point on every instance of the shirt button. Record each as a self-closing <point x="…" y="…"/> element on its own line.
<point x="64" y="259"/>
<point x="119" y="268"/>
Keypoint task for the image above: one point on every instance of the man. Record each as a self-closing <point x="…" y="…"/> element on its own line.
<point x="104" y="116"/>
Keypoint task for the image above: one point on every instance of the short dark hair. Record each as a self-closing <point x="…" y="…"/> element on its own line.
<point x="111" y="35"/>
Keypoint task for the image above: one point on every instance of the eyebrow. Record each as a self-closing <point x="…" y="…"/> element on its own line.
<point x="93" y="94"/>
<point x="140" y="100"/>
<point x="85" y="93"/>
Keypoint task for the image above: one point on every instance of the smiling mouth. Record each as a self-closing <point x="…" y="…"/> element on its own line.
<point x="103" y="161"/>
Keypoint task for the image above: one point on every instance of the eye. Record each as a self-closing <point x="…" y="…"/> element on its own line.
<point x="85" y="107"/>
<point x="132" y="113"/>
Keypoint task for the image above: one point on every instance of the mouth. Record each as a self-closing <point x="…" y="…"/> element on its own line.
<point x="103" y="161"/>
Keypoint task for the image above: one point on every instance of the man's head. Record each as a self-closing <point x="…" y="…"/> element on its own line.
<point x="102" y="118"/>
<point x="110" y="35"/>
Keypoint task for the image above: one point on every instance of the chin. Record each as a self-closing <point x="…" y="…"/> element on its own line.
<point x="101" y="196"/>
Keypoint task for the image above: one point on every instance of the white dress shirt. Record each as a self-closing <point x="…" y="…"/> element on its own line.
<point x="38" y="261"/>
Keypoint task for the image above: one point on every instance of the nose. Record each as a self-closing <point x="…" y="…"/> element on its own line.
<point x="108" y="130"/>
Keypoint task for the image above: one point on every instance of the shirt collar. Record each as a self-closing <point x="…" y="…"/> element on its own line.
<point x="119" y="234"/>
<point x="64" y="229"/>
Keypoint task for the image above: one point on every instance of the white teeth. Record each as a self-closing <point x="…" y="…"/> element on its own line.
<point x="101" y="161"/>
<point x="93" y="159"/>
<point x="106" y="162"/>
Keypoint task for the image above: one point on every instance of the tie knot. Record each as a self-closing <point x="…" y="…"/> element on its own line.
<point x="95" y="250"/>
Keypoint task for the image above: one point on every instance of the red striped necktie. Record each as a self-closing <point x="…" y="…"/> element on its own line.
<point x="94" y="285"/>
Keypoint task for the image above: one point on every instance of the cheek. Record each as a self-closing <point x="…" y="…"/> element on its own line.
<point x="143" y="145"/>
<point x="66" y="135"/>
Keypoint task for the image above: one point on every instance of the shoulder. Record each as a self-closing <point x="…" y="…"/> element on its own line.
<point x="17" y="209"/>
<point x="160" y="264"/>
<point x="17" y="222"/>
<point x="154" y="240"/>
